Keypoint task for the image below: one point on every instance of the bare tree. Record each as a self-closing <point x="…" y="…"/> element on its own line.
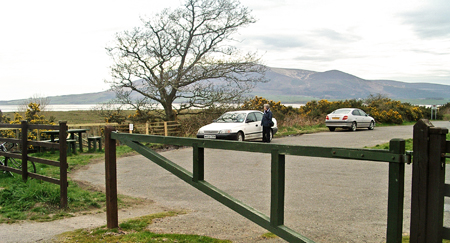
<point x="184" y="55"/>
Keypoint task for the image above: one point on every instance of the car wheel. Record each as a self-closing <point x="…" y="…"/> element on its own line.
<point x="353" y="127"/>
<point x="372" y="125"/>
<point x="332" y="129"/>
<point x="240" y="136"/>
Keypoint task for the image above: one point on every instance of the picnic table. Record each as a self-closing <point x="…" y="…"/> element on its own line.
<point x="55" y="133"/>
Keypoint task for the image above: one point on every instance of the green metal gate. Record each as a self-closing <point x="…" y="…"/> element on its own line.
<point x="395" y="157"/>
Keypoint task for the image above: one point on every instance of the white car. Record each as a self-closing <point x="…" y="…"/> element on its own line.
<point x="350" y="118"/>
<point x="237" y="125"/>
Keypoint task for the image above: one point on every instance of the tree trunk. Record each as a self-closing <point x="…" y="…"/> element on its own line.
<point x="170" y="114"/>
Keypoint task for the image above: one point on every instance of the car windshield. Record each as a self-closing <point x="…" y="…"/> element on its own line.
<point x="345" y="111"/>
<point x="231" y="117"/>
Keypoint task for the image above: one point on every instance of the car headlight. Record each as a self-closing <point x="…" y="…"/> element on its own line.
<point x="225" y="131"/>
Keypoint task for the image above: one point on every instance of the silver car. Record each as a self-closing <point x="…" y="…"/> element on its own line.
<point x="350" y="118"/>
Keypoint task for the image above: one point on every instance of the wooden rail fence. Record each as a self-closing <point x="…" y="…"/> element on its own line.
<point x="24" y="143"/>
<point x="163" y="128"/>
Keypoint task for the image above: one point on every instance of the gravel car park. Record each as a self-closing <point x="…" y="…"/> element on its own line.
<point x="349" y="118"/>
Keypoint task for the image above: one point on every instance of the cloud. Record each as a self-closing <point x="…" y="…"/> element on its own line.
<point x="335" y="36"/>
<point x="315" y="39"/>
<point x="431" y="52"/>
<point x="430" y="21"/>
<point x="279" y="42"/>
<point x="327" y="55"/>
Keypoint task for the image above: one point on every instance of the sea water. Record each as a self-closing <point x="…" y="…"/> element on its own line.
<point x="84" y="107"/>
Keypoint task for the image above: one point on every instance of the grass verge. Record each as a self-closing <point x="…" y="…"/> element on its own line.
<point x="405" y="123"/>
<point x="405" y="239"/>
<point x="39" y="201"/>
<point x="408" y="144"/>
<point x="133" y="230"/>
<point x="298" y="130"/>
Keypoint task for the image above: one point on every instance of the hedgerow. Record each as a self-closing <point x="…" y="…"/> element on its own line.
<point x="383" y="109"/>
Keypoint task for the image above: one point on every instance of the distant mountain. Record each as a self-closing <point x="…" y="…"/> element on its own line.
<point x="335" y="84"/>
<point x="88" y="98"/>
<point x="284" y="82"/>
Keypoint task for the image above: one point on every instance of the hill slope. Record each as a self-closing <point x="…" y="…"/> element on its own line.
<point x="335" y="84"/>
<point x="331" y="84"/>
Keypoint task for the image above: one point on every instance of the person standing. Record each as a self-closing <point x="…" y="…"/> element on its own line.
<point x="266" y="123"/>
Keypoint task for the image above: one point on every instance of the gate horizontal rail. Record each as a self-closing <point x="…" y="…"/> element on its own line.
<point x="310" y="151"/>
<point x="396" y="158"/>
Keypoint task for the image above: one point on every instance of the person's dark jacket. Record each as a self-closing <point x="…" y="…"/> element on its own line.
<point x="267" y="118"/>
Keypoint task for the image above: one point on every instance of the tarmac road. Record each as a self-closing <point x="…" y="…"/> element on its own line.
<point x="327" y="200"/>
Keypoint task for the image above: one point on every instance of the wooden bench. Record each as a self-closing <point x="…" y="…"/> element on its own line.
<point x="95" y="140"/>
<point x="71" y="145"/>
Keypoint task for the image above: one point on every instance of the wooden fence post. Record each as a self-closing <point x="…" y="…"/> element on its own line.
<point x="146" y="127"/>
<point x="166" y="132"/>
<point x="63" y="163"/>
<point x="24" y="150"/>
<point x="112" y="218"/>
<point x="427" y="195"/>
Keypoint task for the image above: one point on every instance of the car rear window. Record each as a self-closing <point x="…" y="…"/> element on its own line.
<point x="341" y="111"/>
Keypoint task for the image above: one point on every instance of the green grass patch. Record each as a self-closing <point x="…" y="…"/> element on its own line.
<point x="133" y="230"/>
<point x="269" y="235"/>
<point x="38" y="200"/>
<point x="405" y="123"/>
<point x="408" y="144"/>
<point x="405" y="239"/>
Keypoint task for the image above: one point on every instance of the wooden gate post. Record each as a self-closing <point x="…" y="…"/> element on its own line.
<point x="427" y="195"/>
<point x="112" y="217"/>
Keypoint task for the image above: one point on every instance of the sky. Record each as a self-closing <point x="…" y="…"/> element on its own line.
<point x="50" y="47"/>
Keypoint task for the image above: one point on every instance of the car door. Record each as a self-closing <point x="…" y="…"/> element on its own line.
<point x="365" y="119"/>
<point x="259" y="116"/>
<point x="253" y="127"/>
<point x="356" y="117"/>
